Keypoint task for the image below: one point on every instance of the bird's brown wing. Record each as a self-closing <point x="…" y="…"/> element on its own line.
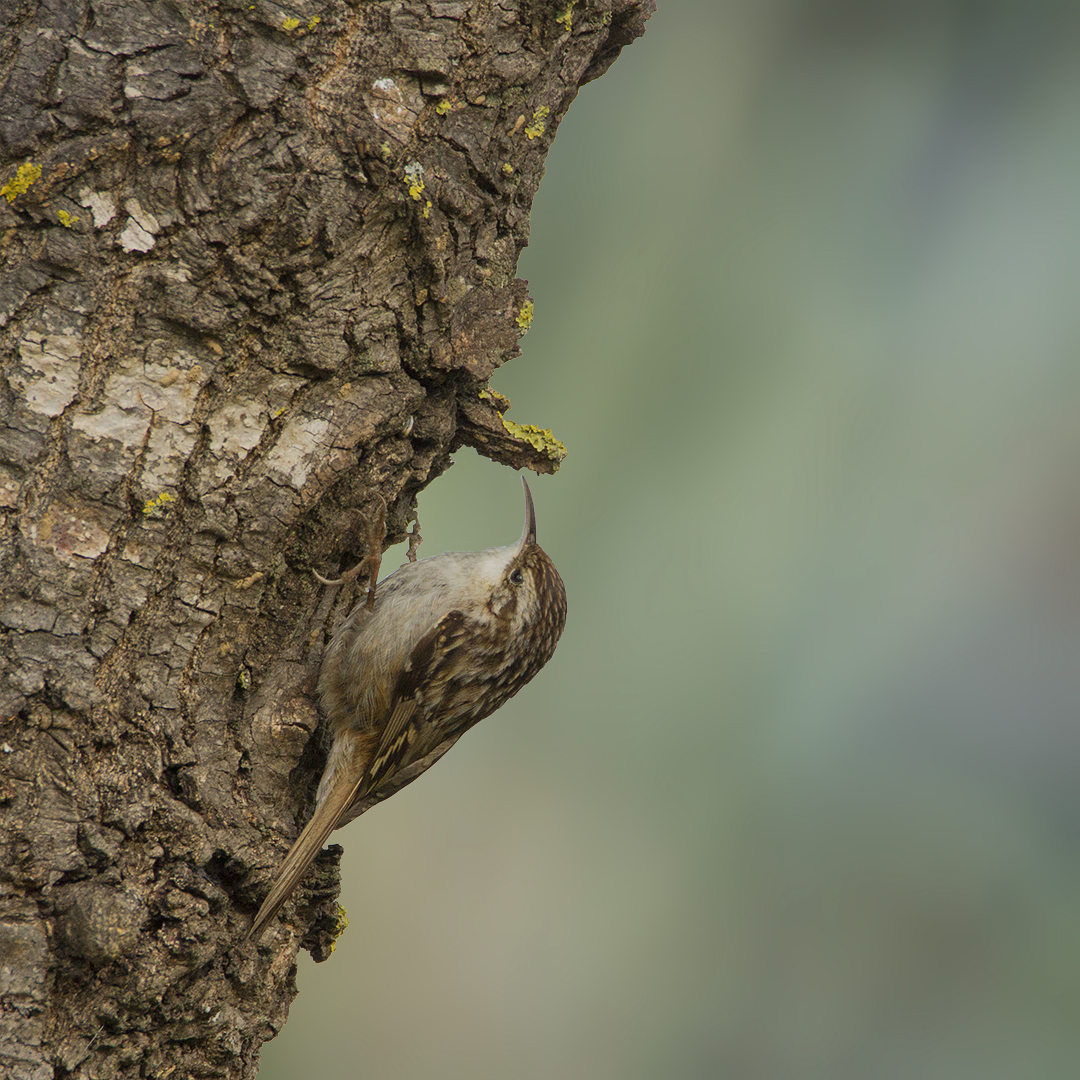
<point x="392" y="746"/>
<point x="424" y="676"/>
<point x="431" y="666"/>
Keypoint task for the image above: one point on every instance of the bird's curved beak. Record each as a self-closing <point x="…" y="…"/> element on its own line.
<point x="529" y="535"/>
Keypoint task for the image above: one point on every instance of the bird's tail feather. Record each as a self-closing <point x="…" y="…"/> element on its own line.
<point x="308" y="844"/>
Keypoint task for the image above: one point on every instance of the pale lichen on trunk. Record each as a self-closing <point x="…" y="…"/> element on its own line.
<point x="255" y="272"/>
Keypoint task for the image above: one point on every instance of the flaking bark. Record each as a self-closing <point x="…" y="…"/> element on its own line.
<point x="255" y="272"/>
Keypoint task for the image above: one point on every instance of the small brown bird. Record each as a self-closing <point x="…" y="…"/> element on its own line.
<point x="448" y="640"/>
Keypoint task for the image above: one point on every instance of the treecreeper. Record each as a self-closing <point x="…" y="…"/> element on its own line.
<point x="445" y="642"/>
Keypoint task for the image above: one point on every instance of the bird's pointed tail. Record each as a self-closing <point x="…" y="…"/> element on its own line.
<point x="342" y="790"/>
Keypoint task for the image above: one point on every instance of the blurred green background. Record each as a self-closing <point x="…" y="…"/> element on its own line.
<point x="798" y="795"/>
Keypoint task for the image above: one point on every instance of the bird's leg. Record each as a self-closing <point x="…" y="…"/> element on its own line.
<point x="370" y="564"/>
<point x="376" y="535"/>
<point x="415" y="539"/>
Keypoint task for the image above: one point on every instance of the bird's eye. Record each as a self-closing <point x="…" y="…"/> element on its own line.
<point x="517" y="577"/>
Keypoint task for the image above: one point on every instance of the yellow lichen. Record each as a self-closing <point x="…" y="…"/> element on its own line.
<point x="340" y="927"/>
<point x="157" y="502"/>
<point x="525" y="316"/>
<point x="66" y="219"/>
<point x="539" y="438"/>
<point x="501" y="404"/>
<point x="24" y="178"/>
<point x="508" y="169"/>
<point x="536" y="128"/>
<point x="290" y="24"/>
<point x="414" y="180"/>
<point x="427" y="208"/>
<point x="443" y="107"/>
<point x="566" y="18"/>
<point x="313" y="22"/>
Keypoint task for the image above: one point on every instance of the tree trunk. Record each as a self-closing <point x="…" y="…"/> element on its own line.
<point x="256" y="271"/>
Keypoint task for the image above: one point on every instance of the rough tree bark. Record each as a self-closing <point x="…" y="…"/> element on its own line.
<point x="258" y="263"/>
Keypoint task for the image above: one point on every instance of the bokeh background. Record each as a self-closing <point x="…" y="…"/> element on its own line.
<point x="798" y="795"/>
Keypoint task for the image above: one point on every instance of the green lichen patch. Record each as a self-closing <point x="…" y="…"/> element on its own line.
<point x="539" y="439"/>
